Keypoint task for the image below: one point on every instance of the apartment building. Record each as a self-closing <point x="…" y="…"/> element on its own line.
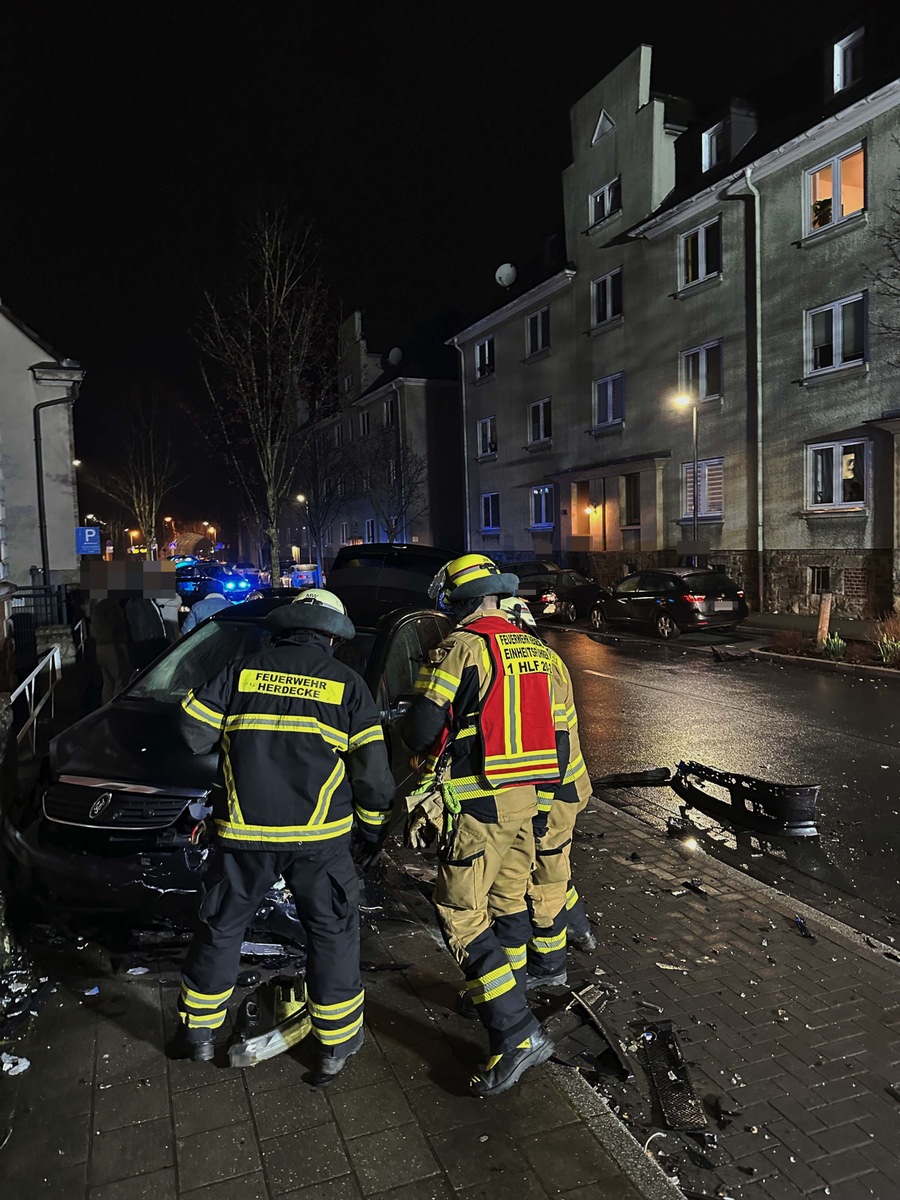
<point x="394" y="445"/>
<point x="728" y="259"/>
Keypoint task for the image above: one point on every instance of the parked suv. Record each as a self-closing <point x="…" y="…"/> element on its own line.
<point x="672" y="601"/>
<point x="375" y="578"/>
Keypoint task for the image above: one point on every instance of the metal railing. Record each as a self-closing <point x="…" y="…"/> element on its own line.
<point x="36" y="698"/>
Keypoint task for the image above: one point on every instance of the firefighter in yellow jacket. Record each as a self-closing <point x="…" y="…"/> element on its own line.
<point x="487" y="707"/>
<point x="302" y="762"/>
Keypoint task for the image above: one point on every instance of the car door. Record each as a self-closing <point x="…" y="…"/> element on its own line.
<point x="407" y="650"/>
<point x="618" y="607"/>
<point x="647" y="597"/>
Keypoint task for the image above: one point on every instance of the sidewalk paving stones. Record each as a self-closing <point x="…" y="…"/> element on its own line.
<point x="798" y="1039"/>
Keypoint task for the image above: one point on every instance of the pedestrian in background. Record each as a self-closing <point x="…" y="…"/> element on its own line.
<point x="109" y="631"/>
<point x="212" y="603"/>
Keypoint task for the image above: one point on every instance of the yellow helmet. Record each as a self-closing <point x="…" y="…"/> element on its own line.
<point x="315" y="608"/>
<point x="470" y="577"/>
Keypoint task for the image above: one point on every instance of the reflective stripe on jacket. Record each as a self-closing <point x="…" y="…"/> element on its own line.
<point x="301" y="748"/>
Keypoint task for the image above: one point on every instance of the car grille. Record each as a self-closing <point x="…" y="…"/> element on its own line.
<point x="121" y="810"/>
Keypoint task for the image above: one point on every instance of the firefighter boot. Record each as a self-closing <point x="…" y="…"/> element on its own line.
<point x="330" y="1065"/>
<point x="504" y="1070"/>
<point x="197" y="1044"/>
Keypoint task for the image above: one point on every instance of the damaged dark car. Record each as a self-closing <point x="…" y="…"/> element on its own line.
<point x="120" y="817"/>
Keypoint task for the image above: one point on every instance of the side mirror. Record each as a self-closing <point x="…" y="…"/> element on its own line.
<point x="398" y="709"/>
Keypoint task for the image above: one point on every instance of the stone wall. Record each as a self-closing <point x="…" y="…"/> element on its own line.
<point x="861" y="582"/>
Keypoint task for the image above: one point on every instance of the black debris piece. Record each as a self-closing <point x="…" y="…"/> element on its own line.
<point x="249" y="979"/>
<point x="802" y="929"/>
<point x="694" y="885"/>
<point x="681" y="1110"/>
<point x="775" y="808"/>
<point x="634" y="856"/>
<point x="655" y="777"/>
<point x="384" y="966"/>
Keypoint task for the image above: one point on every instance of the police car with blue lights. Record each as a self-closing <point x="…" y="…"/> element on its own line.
<point x="196" y="579"/>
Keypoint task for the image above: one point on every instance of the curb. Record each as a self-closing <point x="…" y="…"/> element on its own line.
<point x="617" y="1140"/>
<point x="822" y="664"/>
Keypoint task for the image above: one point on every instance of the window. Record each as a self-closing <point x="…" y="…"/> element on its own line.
<point x="836" y="335"/>
<point x="389" y="409"/>
<point x="606" y="297"/>
<point x="484" y="358"/>
<point x="713" y="147"/>
<point x="540" y="423"/>
<point x="327" y="536"/>
<point x="363" y="424"/>
<point x="605" y="201"/>
<point x="701" y="252"/>
<point x="836" y="189"/>
<point x="701" y="371"/>
<point x="819" y="580"/>
<point x="837" y="474"/>
<point x="710" y="476"/>
<point x="345" y="532"/>
<point x="370" y="529"/>
<point x="490" y="512"/>
<point x="341" y="487"/>
<point x="487" y="436"/>
<point x="542" y="506"/>
<point x="346" y="384"/>
<point x="609" y="400"/>
<point x="391" y="472"/>
<point x="605" y="124"/>
<point x="339" y="434"/>
<point x="632" y="511"/>
<point x="537" y="334"/>
<point x="848" y="61"/>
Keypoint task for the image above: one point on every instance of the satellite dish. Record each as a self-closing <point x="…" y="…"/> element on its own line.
<point x="506" y="275"/>
<point x="394" y="356"/>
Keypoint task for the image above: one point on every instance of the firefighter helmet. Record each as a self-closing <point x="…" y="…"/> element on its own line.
<point x="470" y="577"/>
<point x="315" y="608"/>
<point x="517" y="608"/>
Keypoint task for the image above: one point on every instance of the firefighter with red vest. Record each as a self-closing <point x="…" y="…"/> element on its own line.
<point x="488" y="709"/>
<point x="302" y="766"/>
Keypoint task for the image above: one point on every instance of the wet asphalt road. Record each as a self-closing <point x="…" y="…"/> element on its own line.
<point x="642" y="705"/>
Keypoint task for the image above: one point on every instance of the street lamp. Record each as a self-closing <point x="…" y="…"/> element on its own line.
<point x="683" y="402"/>
<point x="301" y="499"/>
<point x="132" y="534"/>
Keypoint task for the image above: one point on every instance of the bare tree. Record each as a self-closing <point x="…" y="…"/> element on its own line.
<point x="885" y="279"/>
<point x="325" y="471"/>
<point x="147" y="470"/>
<point x="395" y="478"/>
<point x="267" y="346"/>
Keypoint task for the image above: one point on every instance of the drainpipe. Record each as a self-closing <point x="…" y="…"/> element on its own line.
<point x="39" y="470"/>
<point x="757" y="321"/>
<point x="465" y="428"/>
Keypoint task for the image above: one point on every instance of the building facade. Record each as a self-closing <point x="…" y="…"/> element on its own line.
<point x="736" y="261"/>
<point x="392" y="448"/>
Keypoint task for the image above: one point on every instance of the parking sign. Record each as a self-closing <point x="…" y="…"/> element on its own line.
<point x="87" y="539"/>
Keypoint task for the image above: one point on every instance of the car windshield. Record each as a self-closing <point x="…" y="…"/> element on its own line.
<point x="709" y="581"/>
<point x="203" y="653"/>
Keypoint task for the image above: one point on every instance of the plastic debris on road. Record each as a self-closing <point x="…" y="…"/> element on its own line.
<point x="13" y="1064"/>
<point x="802" y="929"/>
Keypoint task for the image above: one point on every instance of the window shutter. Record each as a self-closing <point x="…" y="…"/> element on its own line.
<point x="617" y="388"/>
<point x="715" y="489"/>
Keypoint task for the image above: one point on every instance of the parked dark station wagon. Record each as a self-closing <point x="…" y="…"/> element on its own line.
<point x="671" y="601"/>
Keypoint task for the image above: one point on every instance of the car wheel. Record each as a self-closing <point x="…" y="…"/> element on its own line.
<point x="598" y="619"/>
<point x="570" y="612"/>
<point x="666" y="627"/>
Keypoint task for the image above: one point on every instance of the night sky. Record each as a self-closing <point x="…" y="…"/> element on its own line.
<point x="425" y="139"/>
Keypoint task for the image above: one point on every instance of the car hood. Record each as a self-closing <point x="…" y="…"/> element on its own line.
<point x="133" y="742"/>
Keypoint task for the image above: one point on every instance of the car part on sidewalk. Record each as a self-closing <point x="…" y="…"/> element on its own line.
<point x="681" y="1110"/>
<point x="801" y="926"/>
<point x="279" y="1007"/>
<point x="775" y="808"/>
<point x="584" y="1038"/>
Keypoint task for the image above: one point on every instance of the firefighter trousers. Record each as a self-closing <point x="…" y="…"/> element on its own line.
<point x="325" y="887"/>
<point x="480" y="900"/>
<point x="552" y="899"/>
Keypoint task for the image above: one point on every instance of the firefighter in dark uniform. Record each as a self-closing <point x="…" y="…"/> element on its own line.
<point x="302" y="763"/>
<point x="487" y="708"/>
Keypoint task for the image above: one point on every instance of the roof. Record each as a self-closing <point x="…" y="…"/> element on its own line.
<point x="30" y="333"/>
<point x="783" y="107"/>
<point x="424" y="355"/>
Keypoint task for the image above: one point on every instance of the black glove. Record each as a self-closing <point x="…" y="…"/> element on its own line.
<point x="366" y="852"/>
<point x="539" y="826"/>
